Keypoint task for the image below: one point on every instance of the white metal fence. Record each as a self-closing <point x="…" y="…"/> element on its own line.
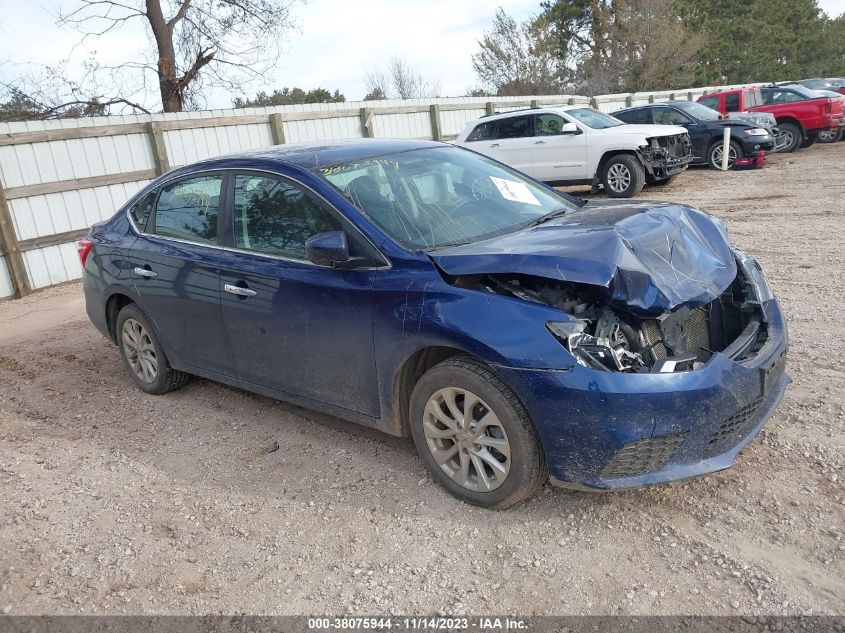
<point x="59" y="177"/>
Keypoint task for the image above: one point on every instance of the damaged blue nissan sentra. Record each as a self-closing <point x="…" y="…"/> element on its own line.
<point x="515" y="332"/>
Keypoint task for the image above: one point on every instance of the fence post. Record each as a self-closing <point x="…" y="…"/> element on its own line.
<point x="651" y="98"/>
<point x="434" y="113"/>
<point x="11" y="249"/>
<point x="689" y="96"/>
<point x="535" y="104"/>
<point x="367" y="122"/>
<point x="277" y="129"/>
<point x="629" y="100"/>
<point x="159" y="148"/>
<point x="489" y="108"/>
<point x="570" y="101"/>
<point x="593" y="103"/>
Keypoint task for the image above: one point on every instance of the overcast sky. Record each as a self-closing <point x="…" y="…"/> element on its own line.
<point x="336" y="43"/>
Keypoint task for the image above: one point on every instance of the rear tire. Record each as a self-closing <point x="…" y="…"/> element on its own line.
<point x="810" y="140"/>
<point x="143" y="354"/>
<point x="831" y="136"/>
<point x="793" y="133"/>
<point x="623" y="176"/>
<point x="487" y="455"/>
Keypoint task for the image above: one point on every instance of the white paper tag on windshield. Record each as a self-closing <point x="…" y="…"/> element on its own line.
<point x="515" y="190"/>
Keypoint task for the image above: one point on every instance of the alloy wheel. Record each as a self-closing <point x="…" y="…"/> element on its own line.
<point x="619" y="177"/>
<point x="788" y="138"/>
<point x="139" y="350"/>
<point x="718" y="152"/>
<point x="467" y="439"/>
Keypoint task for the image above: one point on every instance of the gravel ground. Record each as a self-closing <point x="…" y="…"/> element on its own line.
<point x="112" y="501"/>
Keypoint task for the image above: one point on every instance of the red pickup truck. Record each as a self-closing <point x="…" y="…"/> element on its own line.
<point x="801" y="114"/>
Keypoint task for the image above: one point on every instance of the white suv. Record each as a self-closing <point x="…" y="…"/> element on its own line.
<point x="571" y="145"/>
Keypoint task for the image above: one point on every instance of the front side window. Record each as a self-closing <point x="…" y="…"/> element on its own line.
<point x="188" y="209"/>
<point x="434" y="197"/>
<point x="274" y="216"/>
<point x="514" y="127"/>
<point x="670" y="116"/>
<point x="140" y="211"/>
<point x="548" y="124"/>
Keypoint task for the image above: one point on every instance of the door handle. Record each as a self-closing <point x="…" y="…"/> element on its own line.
<point x="539" y="142"/>
<point x="495" y="144"/>
<point x="145" y="272"/>
<point x="239" y="290"/>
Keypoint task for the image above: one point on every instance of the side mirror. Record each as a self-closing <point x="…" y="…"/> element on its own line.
<point x="570" y="128"/>
<point x="327" y="249"/>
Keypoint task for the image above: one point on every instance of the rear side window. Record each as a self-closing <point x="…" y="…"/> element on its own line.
<point x="140" y="211"/>
<point x="188" y="209"/>
<point x="515" y="127"/>
<point x="275" y="216"/>
<point x="483" y="132"/>
<point x="711" y="102"/>
<point x="732" y="103"/>
<point x="635" y="116"/>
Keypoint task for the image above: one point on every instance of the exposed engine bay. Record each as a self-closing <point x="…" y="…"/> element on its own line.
<point x="611" y="338"/>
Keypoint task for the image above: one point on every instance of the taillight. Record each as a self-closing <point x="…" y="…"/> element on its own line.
<point x="83" y="247"/>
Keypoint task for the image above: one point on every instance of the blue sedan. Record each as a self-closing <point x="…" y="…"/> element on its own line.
<point x="515" y="332"/>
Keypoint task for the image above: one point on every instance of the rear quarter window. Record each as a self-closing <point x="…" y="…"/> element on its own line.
<point x="140" y="211"/>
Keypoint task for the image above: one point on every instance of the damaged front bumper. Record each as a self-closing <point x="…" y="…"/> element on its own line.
<point x="605" y="430"/>
<point x="665" y="157"/>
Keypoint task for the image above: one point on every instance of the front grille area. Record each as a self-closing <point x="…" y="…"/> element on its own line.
<point x="729" y="431"/>
<point x="642" y="456"/>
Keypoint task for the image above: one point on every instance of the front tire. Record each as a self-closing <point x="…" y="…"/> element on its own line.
<point x="623" y="176"/>
<point x="714" y="154"/>
<point x="474" y="435"/>
<point x="143" y="354"/>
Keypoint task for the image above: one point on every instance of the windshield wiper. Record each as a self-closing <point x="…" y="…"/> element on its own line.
<point x="549" y="216"/>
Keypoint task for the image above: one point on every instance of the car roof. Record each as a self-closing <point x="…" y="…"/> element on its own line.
<point x="656" y="103"/>
<point x="314" y="154"/>
<point x="525" y="111"/>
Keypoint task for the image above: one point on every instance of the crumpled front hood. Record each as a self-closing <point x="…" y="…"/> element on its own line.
<point x="650" y="256"/>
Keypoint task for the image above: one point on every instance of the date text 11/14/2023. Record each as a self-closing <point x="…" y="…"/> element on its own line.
<point x="417" y="623"/>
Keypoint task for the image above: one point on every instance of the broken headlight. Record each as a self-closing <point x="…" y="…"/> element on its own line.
<point x="609" y="353"/>
<point x="754" y="274"/>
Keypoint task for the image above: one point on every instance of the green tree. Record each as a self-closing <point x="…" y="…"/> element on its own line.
<point x="289" y="96"/>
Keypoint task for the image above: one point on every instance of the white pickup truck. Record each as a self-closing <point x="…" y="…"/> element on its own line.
<point x="571" y="145"/>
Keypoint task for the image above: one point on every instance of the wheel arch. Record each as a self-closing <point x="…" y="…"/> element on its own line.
<point x="611" y="153"/>
<point x="790" y="119"/>
<point x="114" y="304"/>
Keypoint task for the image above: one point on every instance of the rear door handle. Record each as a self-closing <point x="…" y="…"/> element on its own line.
<point x="239" y="290"/>
<point x="495" y="144"/>
<point x="145" y="272"/>
<point x="539" y="142"/>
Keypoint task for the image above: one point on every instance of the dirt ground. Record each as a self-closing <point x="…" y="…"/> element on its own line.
<point x="112" y="501"/>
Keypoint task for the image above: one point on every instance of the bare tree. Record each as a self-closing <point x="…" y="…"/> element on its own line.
<point x="400" y="80"/>
<point x="48" y="93"/>
<point x="219" y="42"/>
<point x="519" y="59"/>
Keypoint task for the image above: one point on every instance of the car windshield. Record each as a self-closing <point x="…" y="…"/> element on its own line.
<point x="593" y="118"/>
<point x="442" y="196"/>
<point x="698" y="111"/>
